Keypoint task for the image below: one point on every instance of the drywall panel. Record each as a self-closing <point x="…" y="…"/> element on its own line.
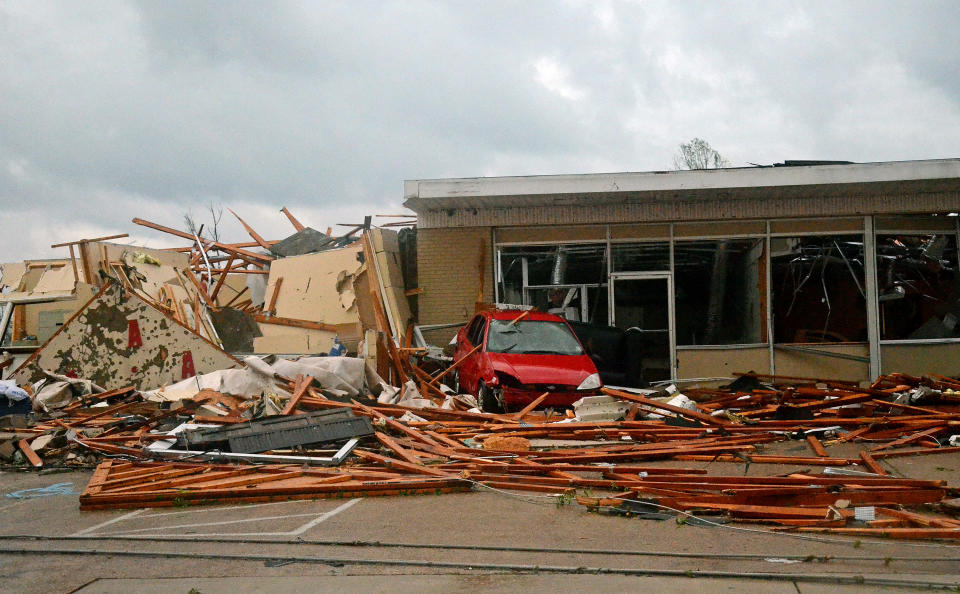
<point x="694" y="363"/>
<point x="386" y="247"/>
<point x="284" y="340"/>
<point x="118" y="339"/>
<point x="33" y="311"/>
<point x="317" y="287"/>
<point x="57" y="280"/>
<point x="11" y="274"/>
<point x="144" y="260"/>
<point x="921" y="359"/>
<point x="822" y="366"/>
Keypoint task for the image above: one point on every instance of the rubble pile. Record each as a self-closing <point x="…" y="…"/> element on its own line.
<point x="278" y="437"/>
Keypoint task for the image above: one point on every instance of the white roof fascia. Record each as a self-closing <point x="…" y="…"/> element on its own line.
<point x="665" y="181"/>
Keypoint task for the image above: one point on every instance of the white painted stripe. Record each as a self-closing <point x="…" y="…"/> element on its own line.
<point x="208" y="509"/>
<point x="222" y="523"/>
<point x="325" y="516"/>
<point x="108" y="522"/>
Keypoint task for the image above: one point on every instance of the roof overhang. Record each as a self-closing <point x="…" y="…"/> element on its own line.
<point x="862" y="179"/>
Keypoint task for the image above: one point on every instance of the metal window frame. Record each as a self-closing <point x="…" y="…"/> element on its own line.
<point x="908" y="341"/>
<point x="671" y="314"/>
<point x="869" y="232"/>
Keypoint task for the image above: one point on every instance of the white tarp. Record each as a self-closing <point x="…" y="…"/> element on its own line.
<point x="348" y="376"/>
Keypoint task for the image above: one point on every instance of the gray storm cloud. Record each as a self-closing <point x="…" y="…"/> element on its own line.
<point x="112" y="110"/>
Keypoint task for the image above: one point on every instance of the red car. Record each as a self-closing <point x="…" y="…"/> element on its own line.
<point x="522" y="354"/>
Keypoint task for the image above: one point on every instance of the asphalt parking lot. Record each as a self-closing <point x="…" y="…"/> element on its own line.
<point x="497" y="541"/>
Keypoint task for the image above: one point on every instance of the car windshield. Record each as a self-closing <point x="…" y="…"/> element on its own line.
<point x="532" y="337"/>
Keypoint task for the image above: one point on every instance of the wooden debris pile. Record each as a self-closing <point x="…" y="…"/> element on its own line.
<point x="614" y="465"/>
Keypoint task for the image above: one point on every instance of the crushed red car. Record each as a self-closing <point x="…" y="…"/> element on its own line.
<point x="521" y="355"/>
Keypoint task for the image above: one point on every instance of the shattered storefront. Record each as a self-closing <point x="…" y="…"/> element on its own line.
<point x="752" y="269"/>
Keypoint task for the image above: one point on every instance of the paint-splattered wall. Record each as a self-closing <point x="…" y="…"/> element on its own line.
<point x="118" y="339"/>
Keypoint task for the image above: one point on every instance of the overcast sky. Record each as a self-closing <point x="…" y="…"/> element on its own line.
<point x="111" y="110"/>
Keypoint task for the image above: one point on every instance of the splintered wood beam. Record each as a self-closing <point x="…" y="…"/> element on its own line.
<point x="200" y="288"/>
<point x="276" y="292"/>
<point x="300" y="388"/>
<point x="816" y="446"/>
<point x="30" y="454"/>
<point x="536" y="402"/>
<point x="223" y="277"/>
<point x="306" y="324"/>
<point x="221" y="246"/>
<point x="237" y="296"/>
<point x="872" y="464"/>
<point x="455" y="365"/>
<point x="690" y="414"/>
<point x="293" y="220"/>
<point x="256" y="236"/>
<point x="79" y="241"/>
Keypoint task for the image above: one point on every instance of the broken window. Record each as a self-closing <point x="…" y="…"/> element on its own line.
<point x="918" y="288"/>
<point x="818" y="289"/>
<point x="720" y="290"/>
<point x="566" y="279"/>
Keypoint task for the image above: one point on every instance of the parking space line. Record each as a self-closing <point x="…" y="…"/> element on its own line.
<point x="325" y="516"/>
<point x="138" y="514"/>
<point x="127" y="516"/>
<point x="216" y="509"/>
<point x="221" y="523"/>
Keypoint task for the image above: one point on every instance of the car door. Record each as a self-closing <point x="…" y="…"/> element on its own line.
<point x="470" y="368"/>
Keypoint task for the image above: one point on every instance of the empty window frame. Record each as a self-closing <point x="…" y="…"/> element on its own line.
<point x="650" y="256"/>
<point x="918" y="287"/>
<point x="720" y="291"/>
<point x="567" y="279"/>
<point x="818" y="289"/>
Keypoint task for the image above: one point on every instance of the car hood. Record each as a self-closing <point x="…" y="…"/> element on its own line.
<point x="544" y="369"/>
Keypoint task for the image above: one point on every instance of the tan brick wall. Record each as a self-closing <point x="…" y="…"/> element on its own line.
<point x="448" y="272"/>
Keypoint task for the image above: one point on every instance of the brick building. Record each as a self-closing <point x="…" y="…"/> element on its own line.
<point x="802" y="269"/>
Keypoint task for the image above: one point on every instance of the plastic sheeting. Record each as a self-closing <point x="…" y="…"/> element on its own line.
<point x="56" y="391"/>
<point x="13" y="393"/>
<point x="347" y="376"/>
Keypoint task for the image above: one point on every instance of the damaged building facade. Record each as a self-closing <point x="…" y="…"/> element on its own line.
<point x="803" y="269"/>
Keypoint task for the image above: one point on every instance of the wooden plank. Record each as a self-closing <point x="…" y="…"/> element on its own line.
<point x="237" y="296"/>
<point x="816" y="446"/>
<point x="306" y="324"/>
<point x="690" y="414"/>
<point x="223" y="277"/>
<point x="872" y="464"/>
<point x="30" y="454"/>
<point x="293" y="221"/>
<point x="396" y="448"/>
<point x="536" y="402"/>
<point x="79" y="241"/>
<point x="221" y="246"/>
<point x="272" y="306"/>
<point x="301" y="385"/>
<point x="256" y="236"/>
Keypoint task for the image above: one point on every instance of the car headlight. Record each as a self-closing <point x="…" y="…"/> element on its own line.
<point x="591" y="382"/>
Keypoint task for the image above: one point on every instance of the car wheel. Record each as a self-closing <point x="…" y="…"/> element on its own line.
<point x="487" y="401"/>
